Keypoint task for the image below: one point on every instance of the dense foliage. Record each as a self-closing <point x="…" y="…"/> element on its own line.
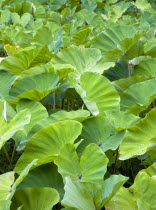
<point x="77" y="105"/>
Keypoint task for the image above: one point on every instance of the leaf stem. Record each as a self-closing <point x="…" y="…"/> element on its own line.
<point x="117" y="154"/>
<point x="8" y="158"/>
<point x="13" y="153"/>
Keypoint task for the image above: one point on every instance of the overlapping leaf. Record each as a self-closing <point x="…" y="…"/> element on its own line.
<point x="47" y="142"/>
<point x="139" y="138"/>
<point x="97" y="93"/>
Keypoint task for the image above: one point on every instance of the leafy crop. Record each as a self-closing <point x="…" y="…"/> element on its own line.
<point x="77" y="104"/>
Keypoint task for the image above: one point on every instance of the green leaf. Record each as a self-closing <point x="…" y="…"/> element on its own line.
<point x="121" y="120"/>
<point x="7" y="80"/>
<point x="5" y="205"/>
<point x="25" y="59"/>
<point x="78" y="115"/>
<point x="143" y="5"/>
<point x="90" y="168"/>
<point x="122" y="84"/>
<point x="8" y="129"/>
<point x="122" y="200"/>
<point x="139" y="138"/>
<point x="7" y="184"/>
<point x="83" y="59"/>
<point x="77" y="195"/>
<point x="34" y="88"/>
<point x="146" y="68"/>
<point x="6" y="181"/>
<point x="97" y="93"/>
<point x="138" y="97"/>
<point x="47" y="142"/>
<point x="151" y="170"/>
<point x="89" y="4"/>
<point x="116" y="41"/>
<point x="5" y="16"/>
<point x="120" y="70"/>
<point x="144" y="189"/>
<point x="38" y="113"/>
<point x="98" y="130"/>
<point x="43" y="36"/>
<point x="35" y="198"/>
<point x="43" y="176"/>
<point x="82" y="36"/>
<point x="111" y="186"/>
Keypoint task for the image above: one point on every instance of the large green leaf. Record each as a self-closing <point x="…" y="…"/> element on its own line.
<point x="146" y="68"/>
<point x="144" y="190"/>
<point x="123" y="199"/>
<point x="37" y="110"/>
<point x="151" y="170"/>
<point x="116" y="41"/>
<point x="139" y="138"/>
<point x="5" y="205"/>
<point x="111" y="186"/>
<point x="25" y="59"/>
<point x="5" y="16"/>
<point x="79" y="115"/>
<point x="6" y="181"/>
<point x="141" y="195"/>
<point x="47" y="142"/>
<point x="98" y="130"/>
<point x="38" y="113"/>
<point x="90" y="168"/>
<point x="78" y="195"/>
<point x="121" y="120"/>
<point x="7" y="80"/>
<point x="122" y="84"/>
<point x="34" y="88"/>
<point x="7" y="184"/>
<point x="143" y="5"/>
<point x="138" y="97"/>
<point x="43" y="176"/>
<point x="90" y="195"/>
<point x="97" y="93"/>
<point x="35" y="198"/>
<point x="9" y="128"/>
<point x="83" y="59"/>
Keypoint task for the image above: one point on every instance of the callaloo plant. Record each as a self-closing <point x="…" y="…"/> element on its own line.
<point x="77" y="105"/>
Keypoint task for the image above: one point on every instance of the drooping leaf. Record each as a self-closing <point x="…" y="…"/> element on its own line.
<point x="139" y="138"/>
<point x="8" y="129"/>
<point x="111" y="186"/>
<point x="6" y="181"/>
<point x="90" y="168"/>
<point x="77" y="195"/>
<point x="7" y="80"/>
<point x="99" y="131"/>
<point x="122" y="84"/>
<point x="83" y="59"/>
<point x="38" y="113"/>
<point x="151" y="170"/>
<point x="116" y="41"/>
<point x="122" y="200"/>
<point x="35" y="198"/>
<point x="47" y="142"/>
<point x="138" y="97"/>
<point x="79" y="115"/>
<point x="5" y="204"/>
<point x="97" y="93"/>
<point x="25" y="59"/>
<point x="33" y="88"/>
<point x="144" y="190"/>
<point x="43" y="176"/>
<point x="121" y="120"/>
<point x="146" y="68"/>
